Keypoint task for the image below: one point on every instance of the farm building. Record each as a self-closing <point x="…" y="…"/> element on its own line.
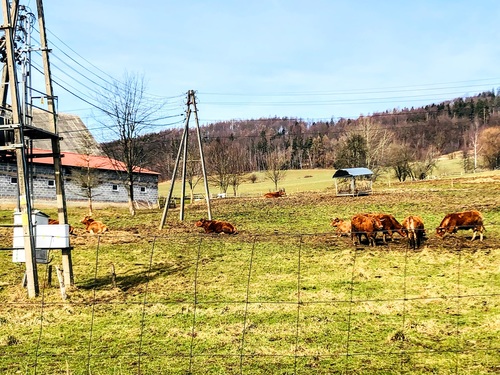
<point x="107" y="187"/>
<point x="353" y="181"/>
<point x="77" y="144"/>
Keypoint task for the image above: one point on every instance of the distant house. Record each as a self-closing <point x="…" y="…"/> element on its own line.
<point x="353" y="181"/>
<point x="109" y="188"/>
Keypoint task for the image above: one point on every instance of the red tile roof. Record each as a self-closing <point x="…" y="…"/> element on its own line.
<point x="71" y="159"/>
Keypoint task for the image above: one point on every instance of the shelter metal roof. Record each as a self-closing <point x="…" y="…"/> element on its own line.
<point x="352" y="172"/>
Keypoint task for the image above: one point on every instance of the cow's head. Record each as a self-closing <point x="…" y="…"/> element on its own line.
<point x="378" y="223"/>
<point x="440" y="231"/>
<point x="335" y="222"/>
<point x="87" y="219"/>
<point x="200" y="222"/>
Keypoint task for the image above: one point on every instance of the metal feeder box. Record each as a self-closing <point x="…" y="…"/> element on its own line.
<point x="46" y="237"/>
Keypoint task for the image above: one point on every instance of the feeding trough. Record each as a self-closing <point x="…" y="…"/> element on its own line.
<point x="353" y="181"/>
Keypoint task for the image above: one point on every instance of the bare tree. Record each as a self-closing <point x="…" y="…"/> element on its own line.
<point x="276" y="166"/>
<point x="128" y="115"/>
<point x="474" y="140"/>
<point x="420" y="169"/>
<point x="219" y="163"/>
<point x="240" y="165"/>
<point x="400" y="157"/>
<point x="194" y="173"/>
<point x="490" y="151"/>
<point x="88" y="177"/>
<point x="378" y="139"/>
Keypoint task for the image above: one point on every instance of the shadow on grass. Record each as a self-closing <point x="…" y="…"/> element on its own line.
<point x="133" y="280"/>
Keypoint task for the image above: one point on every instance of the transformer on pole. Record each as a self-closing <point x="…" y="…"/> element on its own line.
<point x="17" y="130"/>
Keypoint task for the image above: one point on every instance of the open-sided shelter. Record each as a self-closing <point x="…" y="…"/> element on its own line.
<point x="353" y="181"/>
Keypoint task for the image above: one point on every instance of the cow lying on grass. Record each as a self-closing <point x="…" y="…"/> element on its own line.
<point x="216" y="226"/>
<point x="93" y="226"/>
<point x="413" y="226"/>
<point x="56" y="222"/>
<point x="275" y="194"/>
<point x="343" y="226"/>
<point x="462" y="221"/>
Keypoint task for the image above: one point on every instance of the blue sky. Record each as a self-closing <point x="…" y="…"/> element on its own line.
<point x="314" y="59"/>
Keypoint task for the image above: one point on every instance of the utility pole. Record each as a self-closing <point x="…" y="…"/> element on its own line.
<point x="56" y="150"/>
<point x="20" y="152"/>
<point x="191" y="107"/>
<point x="18" y="130"/>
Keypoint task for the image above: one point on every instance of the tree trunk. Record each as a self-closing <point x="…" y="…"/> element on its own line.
<point x="90" y="206"/>
<point x="131" y="206"/>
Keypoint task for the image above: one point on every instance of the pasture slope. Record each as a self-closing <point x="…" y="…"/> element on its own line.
<point x="284" y="296"/>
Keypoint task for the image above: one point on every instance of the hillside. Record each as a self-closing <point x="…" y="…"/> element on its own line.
<point x="405" y="136"/>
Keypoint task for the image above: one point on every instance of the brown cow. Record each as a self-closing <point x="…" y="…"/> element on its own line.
<point x="365" y="225"/>
<point x="390" y="225"/>
<point x="462" y="221"/>
<point x="414" y="229"/>
<point x="276" y="194"/>
<point x="216" y="226"/>
<point x="343" y="226"/>
<point x="56" y="222"/>
<point x="93" y="226"/>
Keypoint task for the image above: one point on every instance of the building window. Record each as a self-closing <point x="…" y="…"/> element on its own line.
<point x="51" y="183"/>
<point x="13" y="180"/>
<point x="143" y="189"/>
<point x="115" y="188"/>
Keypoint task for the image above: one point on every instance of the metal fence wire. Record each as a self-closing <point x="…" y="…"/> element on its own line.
<point x="275" y="304"/>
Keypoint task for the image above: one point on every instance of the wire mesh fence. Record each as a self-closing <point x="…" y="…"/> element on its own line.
<point x="280" y="304"/>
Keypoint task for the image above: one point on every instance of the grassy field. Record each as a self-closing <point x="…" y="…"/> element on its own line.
<point x="318" y="180"/>
<point x="284" y="296"/>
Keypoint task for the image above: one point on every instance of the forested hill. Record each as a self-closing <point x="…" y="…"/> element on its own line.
<point x="381" y="139"/>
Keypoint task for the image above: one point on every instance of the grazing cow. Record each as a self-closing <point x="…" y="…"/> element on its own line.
<point x="343" y="226"/>
<point x="216" y="226"/>
<point x="390" y="225"/>
<point x="93" y="226"/>
<point x="276" y="194"/>
<point x="56" y="222"/>
<point x="365" y="225"/>
<point x="414" y="229"/>
<point x="462" y="221"/>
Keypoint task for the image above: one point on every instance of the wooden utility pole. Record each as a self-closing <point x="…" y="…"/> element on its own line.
<point x="183" y="148"/>
<point x="59" y="181"/>
<point x="23" y="131"/>
<point x="20" y="151"/>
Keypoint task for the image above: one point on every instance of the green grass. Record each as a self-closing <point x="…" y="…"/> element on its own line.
<point x="283" y="296"/>
<point x="320" y="180"/>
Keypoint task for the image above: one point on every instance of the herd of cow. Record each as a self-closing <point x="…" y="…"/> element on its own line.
<point x="366" y="225"/>
<point x="369" y="225"/>
<point x="412" y="227"/>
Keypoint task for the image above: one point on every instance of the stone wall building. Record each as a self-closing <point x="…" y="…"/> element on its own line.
<point x="81" y="156"/>
<point x="106" y="183"/>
